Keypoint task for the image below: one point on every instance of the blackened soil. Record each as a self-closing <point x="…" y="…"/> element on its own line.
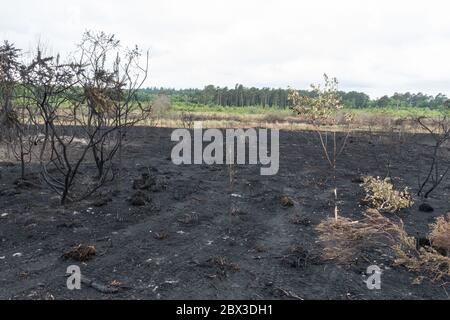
<point x="195" y="236"/>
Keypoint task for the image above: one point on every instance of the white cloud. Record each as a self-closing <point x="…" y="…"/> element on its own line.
<point x="376" y="46"/>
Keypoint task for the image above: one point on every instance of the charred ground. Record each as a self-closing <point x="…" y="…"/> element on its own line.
<point x="177" y="232"/>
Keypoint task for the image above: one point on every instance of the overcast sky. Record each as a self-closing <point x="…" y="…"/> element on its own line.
<point x="378" y="47"/>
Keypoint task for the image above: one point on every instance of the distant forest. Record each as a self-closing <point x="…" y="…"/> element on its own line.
<point x="241" y="96"/>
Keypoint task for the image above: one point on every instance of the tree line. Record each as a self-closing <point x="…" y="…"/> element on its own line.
<point x="241" y="96"/>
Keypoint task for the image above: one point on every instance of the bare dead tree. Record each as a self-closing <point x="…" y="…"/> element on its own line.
<point x="109" y="79"/>
<point x="86" y="107"/>
<point x="438" y="167"/>
<point x="9" y="71"/>
<point x="18" y="129"/>
<point x="47" y="84"/>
